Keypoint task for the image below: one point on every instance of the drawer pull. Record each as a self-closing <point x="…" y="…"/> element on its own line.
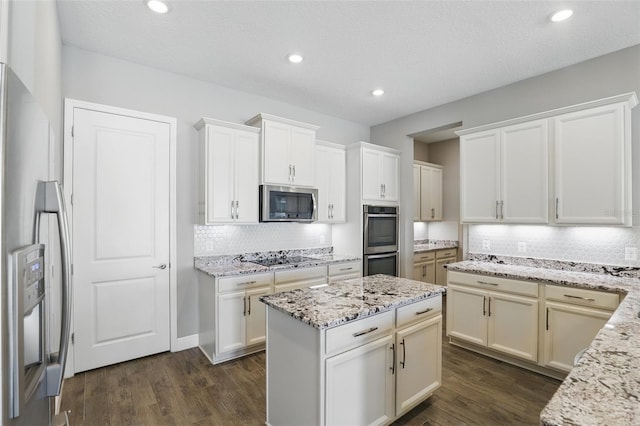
<point x="486" y="283"/>
<point x="588" y="299"/>
<point x="247" y="283"/>
<point x="346" y="269"/>
<point x="425" y="311"/>
<point x="362" y="333"/>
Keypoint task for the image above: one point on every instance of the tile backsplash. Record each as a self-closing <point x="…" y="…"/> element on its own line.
<point x="233" y="239"/>
<point x="605" y="245"/>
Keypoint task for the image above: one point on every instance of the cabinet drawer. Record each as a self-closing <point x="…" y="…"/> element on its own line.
<point x="344" y="277"/>
<point x="418" y="311"/>
<point x="424" y="257"/>
<point x="300" y="274"/>
<point x="580" y="296"/>
<point x="491" y="283"/>
<point x="344" y="268"/>
<point x="359" y="332"/>
<point x="245" y="281"/>
<point x="446" y="253"/>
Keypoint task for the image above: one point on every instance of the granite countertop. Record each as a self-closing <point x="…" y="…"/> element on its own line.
<point x="223" y="266"/>
<point x="604" y="387"/>
<point x="423" y="246"/>
<point x="344" y="301"/>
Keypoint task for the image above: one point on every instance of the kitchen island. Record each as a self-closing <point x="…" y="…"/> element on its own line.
<point x="359" y="351"/>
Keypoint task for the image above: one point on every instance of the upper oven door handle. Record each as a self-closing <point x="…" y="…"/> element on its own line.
<point x="381" y="256"/>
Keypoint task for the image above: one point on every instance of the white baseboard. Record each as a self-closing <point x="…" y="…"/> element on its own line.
<point x="186" y="342"/>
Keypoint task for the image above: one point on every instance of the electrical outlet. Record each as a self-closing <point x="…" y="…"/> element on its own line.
<point x="522" y="247"/>
<point x="486" y="244"/>
<point x="630" y="253"/>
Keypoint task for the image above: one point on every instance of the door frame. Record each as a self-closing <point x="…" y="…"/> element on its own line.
<point x="69" y="105"/>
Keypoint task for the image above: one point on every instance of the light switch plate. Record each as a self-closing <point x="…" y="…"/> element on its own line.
<point x="522" y="247"/>
<point x="630" y="253"/>
<point x="486" y="244"/>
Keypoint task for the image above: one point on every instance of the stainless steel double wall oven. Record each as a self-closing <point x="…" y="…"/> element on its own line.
<point x="380" y="240"/>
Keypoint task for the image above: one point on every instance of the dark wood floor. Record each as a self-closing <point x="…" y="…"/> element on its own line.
<point x="183" y="388"/>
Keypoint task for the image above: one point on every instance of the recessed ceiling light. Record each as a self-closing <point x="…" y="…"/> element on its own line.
<point x="377" y="92"/>
<point x="158" y="6"/>
<point x="295" y="58"/>
<point x="561" y="15"/>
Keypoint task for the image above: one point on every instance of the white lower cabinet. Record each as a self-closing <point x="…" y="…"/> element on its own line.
<point x="573" y="317"/>
<point x="494" y="319"/>
<point x="359" y="385"/>
<point x="369" y="372"/>
<point x="232" y="319"/>
<point x="344" y="271"/>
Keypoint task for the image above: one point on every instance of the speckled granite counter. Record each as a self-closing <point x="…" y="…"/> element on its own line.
<point x="604" y="387"/>
<point x="222" y="266"/>
<point x="349" y="300"/>
<point x="423" y="246"/>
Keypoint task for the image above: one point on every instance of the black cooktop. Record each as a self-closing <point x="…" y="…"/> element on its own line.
<point x="271" y="261"/>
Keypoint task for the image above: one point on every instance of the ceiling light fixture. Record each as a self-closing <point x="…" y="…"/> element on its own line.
<point x="294" y="58"/>
<point x="377" y="92"/>
<point x="561" y="15"/>
<point x="158" y="6"/>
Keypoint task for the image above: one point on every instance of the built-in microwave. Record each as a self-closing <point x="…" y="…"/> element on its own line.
<point x="288" y="204"/>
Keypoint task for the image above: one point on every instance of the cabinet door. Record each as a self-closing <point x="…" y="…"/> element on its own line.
<point x="569" y="329"/>
<point x="513" y="325"/>
<point x="590" y="170"/>
<point x="323" y="183"/>
<point x="419" y="363"/>
<point x="390" y="165"/>
<point x="337" y="184"/>
<point x="417" y="192"/>
<point x="480" y="176"/>
<point x="231" y="322"/>
<point x="466" y="314"/>
<point x="302" y="153"/>
<point x="220" y="174"/>
<point x="524" y="171"/>
<point x="371" y="174"/>
<point x="425" y="272"/>
<point x="247" y="162"/>
<point x="277" y="167"/>
<point x="431" y="193"/>
<point x="255" y="316"/>
<point x="440" y="272"/>
<point x="359" y="385"/>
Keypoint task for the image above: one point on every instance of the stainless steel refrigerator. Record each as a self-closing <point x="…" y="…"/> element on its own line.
<point x="32" y="369"/>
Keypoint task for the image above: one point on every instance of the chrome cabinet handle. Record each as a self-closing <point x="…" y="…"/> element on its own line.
<point x="346" y="269"/>
<point x="249" y="309"/>
<point x="160" y="266"/>
<point x="484" y="302"/>
<point x="404" y="354"/>
<point x="433" y="213"/>
<point x="294" y="172"/>
<point x="290" y="179"/>
<point x="382" y="190"/>
<point x="244" y="306"/>
<point x="588" y="299"/>
<point x="424" y="312"/>
<point x="247" y="283"/>
<point x="237" y="209"/>
<point x="362" y="333"/>
<point x="497" y="205"/>
<point x="547" y="319"/>
<point x="557" y="202"/>
<point x="489" y="306"/>
<point x="486" y="283"/>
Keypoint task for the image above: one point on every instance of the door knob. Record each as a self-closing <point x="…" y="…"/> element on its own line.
<point x="160" y="266"/>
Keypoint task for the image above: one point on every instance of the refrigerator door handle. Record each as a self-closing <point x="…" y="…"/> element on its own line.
<point x="52" y="201"/>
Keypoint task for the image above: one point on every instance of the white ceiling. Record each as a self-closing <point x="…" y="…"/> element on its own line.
<point x="423" y="53"/>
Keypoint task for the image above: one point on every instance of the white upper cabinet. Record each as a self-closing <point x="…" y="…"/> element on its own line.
<point x="416" y="192"/>
<point x="581" y="152"/>
<point x="287" y="150"/>
<point x="430" y="193"/>
<point x="379" y="175"/>
<point x="330" y="179"/>
<point x="228" y="172"/>
<point x="592" y="170"/>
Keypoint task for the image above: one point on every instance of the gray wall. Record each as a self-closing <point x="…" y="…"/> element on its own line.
<point x="96" y="78"/>
<point x="608" y="75"/>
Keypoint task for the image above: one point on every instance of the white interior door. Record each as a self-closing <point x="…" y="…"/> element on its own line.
<point x="120" y="236"/>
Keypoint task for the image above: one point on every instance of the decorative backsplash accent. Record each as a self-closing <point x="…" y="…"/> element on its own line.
<point x="601" y="245"/>
<point x="234" y="239"/>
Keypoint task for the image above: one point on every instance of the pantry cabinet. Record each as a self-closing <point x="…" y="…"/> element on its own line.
<point x="504" y="174"/>
<point x="496" y="313"/>
<point x="287" y="150"/>
<point x="228" y="176"/>
<point x="330" y="169"/>
<point x="379" y="175"/>
<point x="593" y="168"/>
